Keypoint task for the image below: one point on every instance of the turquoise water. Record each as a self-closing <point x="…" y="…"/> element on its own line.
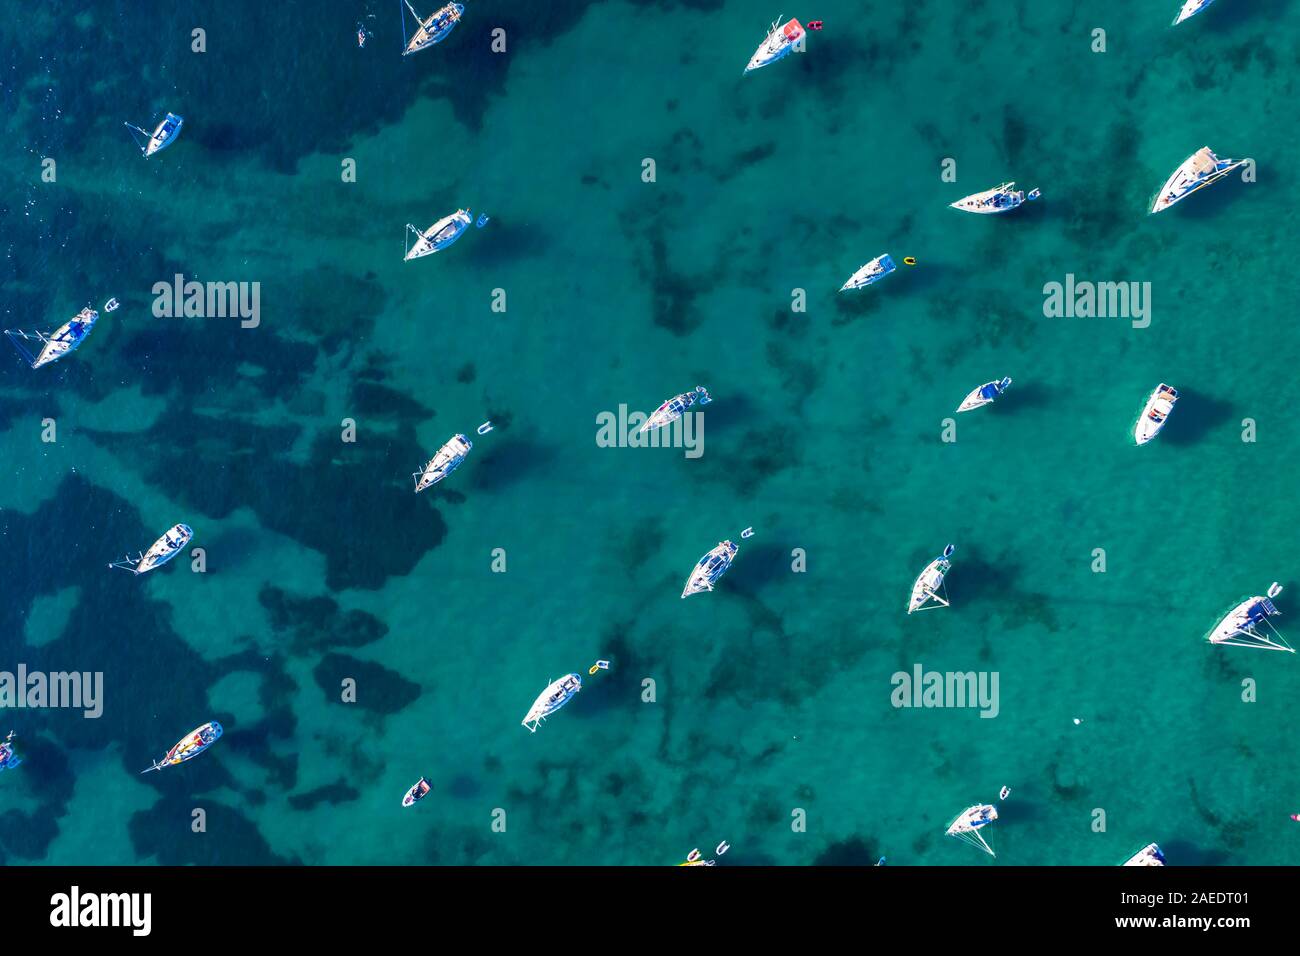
<point x="773" y="693"/>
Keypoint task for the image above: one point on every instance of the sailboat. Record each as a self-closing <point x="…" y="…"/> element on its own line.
<point x="709" y="568"/>
<point x="432" y="29"/>
<point x="929" y="591"/>
<point x="557" y="694"/>
<point x="1001" y="198"/>
<point x="970" y="822"/>
<point x="447" y="459"/>
<point x="63" y="340"/>
<point x="164" y="134"/>
<point x="1247" y="624"/>
<point x="780" y="40"/>
<point x="873" y="271"/>
<point x="1155" y="413"/>
<point x="189" y="746"/>
<point x="983" y="395"/>
<point x="160" y="552"/>
<point x="1199" y="170"/>
<point x="675" y="407"/>
<point x="1149" y="855"/>
<point x="1190" y="9"/>
<point x="438" y="236"/>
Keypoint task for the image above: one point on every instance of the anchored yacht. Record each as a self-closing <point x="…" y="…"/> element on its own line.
<point x="970" y="822"/>
<point x="160" y="552"/>
<point x="438" y="236"/>
<point x="873" y="271"/>
<point x="675" y="407"/>
<point x="709" y="568"/>
<point x="557" y="694"/>
<point x="1190" y="9"/>
<point x="1199" y="170"/>
<point x="928" y="590"/>
<point x="189" y="746"/>
<point x="164" y="134"/>
<point x="44" y="348"/>
<point x="984" y="395"/>
<point x="1155" y="414"/>
<point x="448" y="458"/>
<point x="1248" y="625"/>
<point x="780" y="40"/>
<point x="433" y="28"/>
<point x="1149" y="855"/>
<point x="1002" y="198"/>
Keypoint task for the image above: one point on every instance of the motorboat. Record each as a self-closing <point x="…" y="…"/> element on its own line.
<point x="1155" y="414"/>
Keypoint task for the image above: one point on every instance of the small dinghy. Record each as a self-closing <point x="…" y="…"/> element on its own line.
<point x="160" y="552"/>
<point x="448" y="459"/>
<point x="419" y="790"/>
<point x="189" y="746"/>
<point x="1149" y="855"/>
<point x="675" y="407"/>
<point x="45" y="349"/>
<point x="111" y="305"/>
<point x="984" y="395"/>
<point x="970" y="822"/>
<point x="780" y="40"/>
<point x="1155" y="414"/>
<point x="929" y="591"/>
<point x="362" y="35"/>
<point x="1199" y="170"/>
<point x="1247" y="624"/>
<point x="1190" y="9"/>
<point x="1002" y="198"/>
<point x="432" y="29"/>
<point x="163" y="135"/>
<point x="438" y="236"/>
<point x="873" y="271"/>
<point x="8" y="759"/>
<point x="556" y="695"/>
<point x="709" y="568"/>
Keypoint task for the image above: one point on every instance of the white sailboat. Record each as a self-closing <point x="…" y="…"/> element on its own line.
<point x="780" y="40"/>
<point x="1190" y="9"/>
<point x="1248" y="625"/>
<point x="557" y="694"/>
<point x="164" y="134"/>
<point x="675" y="407"/>
<point x="999" y="199"/>
<point x="1149" y="855"/>
<point x="873" y="271"/>
<point x="433" y="28"/>
<point x="56" y="344"/>
<point x="160" y="552"/>
<point x="970" y="822"/>
<point x="1155" y="413"/>
<point x="929" y="590"/>
<point x="1199" y="170"/>
<point x="438" y="236"/>
<point x="447" y="459"/>
<point x="984" y="395"/>
<point x="709" y="568"/>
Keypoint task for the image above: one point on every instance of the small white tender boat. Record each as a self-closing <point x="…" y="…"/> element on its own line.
<point x="1190" y="9"/>
<point x="1002" y="198"/>
<point x="1248" y="625"/>
<point x="442" y="464"/>
<point x="929" y="591"/>
<point x="419" y="790"/>
<point x="56" y="344"/>
<point x="709" y="568"/>
<point x="438" y="236"/>
<point x="984" y="395"/>
<point x="675" y="407"/>
<point x="970" y="822"/>
<point x="1199" y="170"/>
<point x="434" y="28"/>
<point x="556" y="695"/>
<point x="873" y="271"/>
<point x="780" y="40"/>
<point x="160" y="552"/>
<point x="1149" y="855"/>
<point x="1155" y="414"/>
<point x="164" y="134"/>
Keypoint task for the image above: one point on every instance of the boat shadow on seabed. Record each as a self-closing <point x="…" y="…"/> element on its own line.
<point x="1197" y="416"/>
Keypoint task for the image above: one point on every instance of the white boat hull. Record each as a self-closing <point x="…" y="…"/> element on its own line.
<point x="1203" y="168"/>
<point x="434" y="28"/>
<point x="710" y="568"/>
<point x="1155" y="414"/>
<point x="986" y="394"/>
<point x="440" y="235"/>
<point x="928" y="586"/>
<point x="448" y="458"/>
<point x="165" y="548"/>
<point x="1190" y="9"/>
<point x="992" y="202"/>
<point x="66" y="338"/>
<point x="778" y="43"/>
<point x="1149" y="855"/>
<point x="872" y="272"/>
<point x="557" y="694"/>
